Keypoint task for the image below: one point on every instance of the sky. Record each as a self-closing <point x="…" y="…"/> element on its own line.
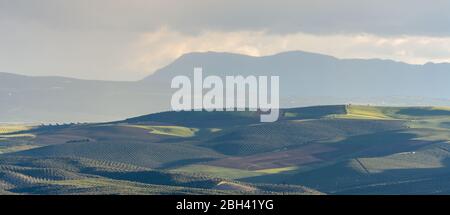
<point x="130" y="39"/>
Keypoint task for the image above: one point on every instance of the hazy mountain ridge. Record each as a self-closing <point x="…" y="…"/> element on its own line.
<point x="308" y="74"/>
<point x="305" y="79"/>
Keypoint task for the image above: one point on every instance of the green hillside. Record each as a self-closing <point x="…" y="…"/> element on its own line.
<point x="27" y="175"/>
<point x="341" y="149"/>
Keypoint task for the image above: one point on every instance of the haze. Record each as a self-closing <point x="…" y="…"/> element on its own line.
<point x="128" y="40"/>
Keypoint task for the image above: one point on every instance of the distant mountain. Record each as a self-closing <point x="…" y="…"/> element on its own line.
<point x="305" y="79"/>
<point x="57" y="99"/>
<point x="313" y="75"/>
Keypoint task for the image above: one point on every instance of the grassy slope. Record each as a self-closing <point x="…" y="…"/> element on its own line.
<point x="8" y="129"/>
<point x="389" y="162"/>
<point x="16" y="138"/>
<point x="176" y="131"/>
<point x="350" y="148"/>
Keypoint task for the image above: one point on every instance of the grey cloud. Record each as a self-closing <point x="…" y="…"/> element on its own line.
<point x="128" y="39"/>
<point x="383" y="17"/>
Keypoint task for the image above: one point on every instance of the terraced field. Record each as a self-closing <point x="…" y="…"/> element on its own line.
<point x="342" y="149"/>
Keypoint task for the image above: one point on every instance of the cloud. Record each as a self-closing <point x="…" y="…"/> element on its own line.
<point x="380" y="17"/>
<point x="35" y="50"/>
<point x="129" y="39"/>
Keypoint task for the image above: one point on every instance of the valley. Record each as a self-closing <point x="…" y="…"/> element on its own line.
<point x="336" y="149"/>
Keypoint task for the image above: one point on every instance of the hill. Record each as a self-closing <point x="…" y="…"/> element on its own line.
<point x="341" y="149"/>
<point x="26" y="175"/>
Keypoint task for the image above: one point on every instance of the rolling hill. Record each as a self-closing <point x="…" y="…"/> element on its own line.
<point x="339" y="149"/>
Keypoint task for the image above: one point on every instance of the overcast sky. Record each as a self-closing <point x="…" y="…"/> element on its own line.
<point x="129" y="39"/>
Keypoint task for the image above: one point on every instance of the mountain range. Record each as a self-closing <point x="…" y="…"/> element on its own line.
<point x="305" y="79"/>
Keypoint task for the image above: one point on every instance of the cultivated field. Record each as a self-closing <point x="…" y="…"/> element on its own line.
<point x="341" y="149"/>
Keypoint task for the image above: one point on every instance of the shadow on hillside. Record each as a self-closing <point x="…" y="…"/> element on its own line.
<point x="376" y="145"/>
<point x="342" y="178"/>
<point x="184" y="162"/>
<point x="423" y="112"/>
<point x="345" y="180"/>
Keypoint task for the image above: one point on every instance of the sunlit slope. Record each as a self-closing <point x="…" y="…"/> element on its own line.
<point x="407" y="113"/>
<point x="177" y="131"/>
<point x="16" y="138"/>
<point x="8" y="129"/>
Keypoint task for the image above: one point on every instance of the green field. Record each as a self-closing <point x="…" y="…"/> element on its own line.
<point x="8" y="129"/>
<point x="177" y="131"/>
<point x="340" y="149"/>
